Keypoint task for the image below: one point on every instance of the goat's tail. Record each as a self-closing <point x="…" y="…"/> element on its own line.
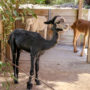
<point x="11" y="38"/>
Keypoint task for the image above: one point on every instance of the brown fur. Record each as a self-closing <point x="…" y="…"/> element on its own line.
<point x="80" y="27"/>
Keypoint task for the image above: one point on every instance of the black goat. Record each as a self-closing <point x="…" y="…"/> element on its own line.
<point x="33" y="43"/>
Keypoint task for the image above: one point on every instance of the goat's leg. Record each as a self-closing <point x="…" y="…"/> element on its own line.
<point x="14" y="68"/>
<point x="17" y="62"/>
<point x="37" y="69"/>
<point x="13" y="49"/>
<point x="84" y="43"/>
<point x="76" y="35"/>
<point x="29" y="83"/>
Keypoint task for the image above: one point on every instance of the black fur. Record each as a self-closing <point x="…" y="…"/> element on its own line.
<point x="52" y="21"/>
<point x="33" y="43"/>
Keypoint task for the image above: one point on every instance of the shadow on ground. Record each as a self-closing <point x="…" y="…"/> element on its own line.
<point x="59" y="67"/>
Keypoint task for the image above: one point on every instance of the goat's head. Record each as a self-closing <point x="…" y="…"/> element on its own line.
<point x="58" y="23"/>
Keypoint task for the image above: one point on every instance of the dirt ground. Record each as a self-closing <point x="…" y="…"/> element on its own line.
<point x="60" y="68"/>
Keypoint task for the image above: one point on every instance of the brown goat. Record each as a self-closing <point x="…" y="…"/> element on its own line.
<point x="80" y="27"/>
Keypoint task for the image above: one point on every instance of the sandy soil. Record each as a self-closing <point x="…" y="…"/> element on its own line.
<point x="60" y="68"/>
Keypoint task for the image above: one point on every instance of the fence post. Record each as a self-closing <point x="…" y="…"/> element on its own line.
<point x="88" y="55"/>
<point x="2" y="39"/>
<point x="80" y="9"/>
<point x="49" y="14"/>
<point x="80" y="6"/>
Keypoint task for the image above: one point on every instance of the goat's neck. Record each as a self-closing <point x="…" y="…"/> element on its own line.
<point x="52" y="42"/>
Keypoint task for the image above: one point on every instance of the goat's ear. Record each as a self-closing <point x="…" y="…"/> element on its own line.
<point x="48" y="22"/>
<point x="51" y="21"/>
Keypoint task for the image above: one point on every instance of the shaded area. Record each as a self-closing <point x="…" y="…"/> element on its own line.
<point x="59" y="67"/>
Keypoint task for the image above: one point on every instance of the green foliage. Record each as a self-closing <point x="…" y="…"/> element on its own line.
<point x="32" y="1"/>
<point x="5" y="69"/>
<point x="40" y="1"/>
<point x="10" y="13"/>
<point x="62" y="1"/>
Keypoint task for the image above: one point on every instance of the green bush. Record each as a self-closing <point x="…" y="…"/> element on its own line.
<point x="10" y="13"/>
<point x="61" y="1"/>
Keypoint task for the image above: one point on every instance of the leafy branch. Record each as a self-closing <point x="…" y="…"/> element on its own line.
<point x="10" y="13"/>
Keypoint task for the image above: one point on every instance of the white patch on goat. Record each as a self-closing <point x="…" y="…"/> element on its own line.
<point x="60" y="23"/>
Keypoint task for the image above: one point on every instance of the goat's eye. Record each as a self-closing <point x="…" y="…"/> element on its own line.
<point x="58" y="22"/>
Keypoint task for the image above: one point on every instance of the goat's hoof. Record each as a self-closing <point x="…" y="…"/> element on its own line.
<point x="15" y="81"/>
<point x="29" y="86"/>
<point x="81" y="55"/>
<point x="75" y="51"/>
<point x="37" y="82"/>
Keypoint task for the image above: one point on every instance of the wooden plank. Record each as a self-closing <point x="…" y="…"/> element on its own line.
<point x="2" y="38"/>
<point x="41" y="12"/>
<point x="49" y="14"/>
<point x="8" y="52"/>
<point x="70" y="17"/>
<point x="85" y="14"/>
<point x="19" y="24"/>
<point x="71" y="12"/>
<point x="89" y="14"/>
<point x="88" y="56"/>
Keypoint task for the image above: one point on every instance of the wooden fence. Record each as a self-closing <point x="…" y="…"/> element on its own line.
<point x="70" y="16"/>
<point x="1" y="41"/>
